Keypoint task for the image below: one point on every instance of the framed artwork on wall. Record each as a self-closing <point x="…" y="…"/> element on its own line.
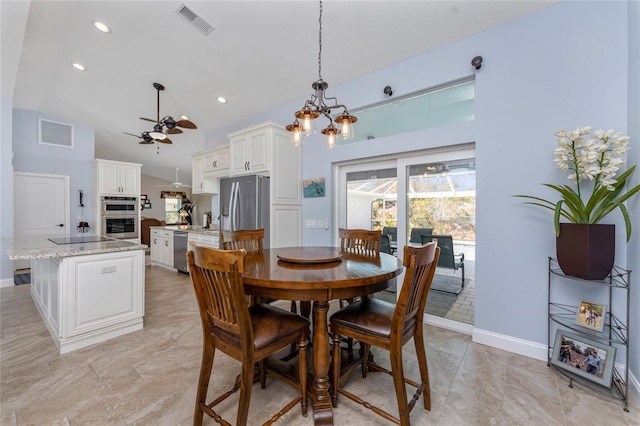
<point x="313" y="188"/>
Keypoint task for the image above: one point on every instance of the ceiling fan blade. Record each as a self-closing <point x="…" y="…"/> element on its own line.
<point x="187" y="124"/>
<point x="165" y="140"/>
<point x="173" y="131"/>
<point x="131" y="134"/>
<point x="143" y="142"/>
<point x="148" y="119"/>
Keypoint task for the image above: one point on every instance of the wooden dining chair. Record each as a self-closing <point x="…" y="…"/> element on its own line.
<point x="247" y="334"/>
<point x="388" y="326"/>
<point x="362" y="241"/>
<point x="251" y="240"/>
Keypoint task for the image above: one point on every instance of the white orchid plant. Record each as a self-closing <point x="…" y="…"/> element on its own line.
<point x="596" y="156"/>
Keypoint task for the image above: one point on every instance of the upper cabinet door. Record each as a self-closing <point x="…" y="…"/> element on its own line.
<point x="258" y="148"/>
<point x="108" y="178"/>
<point x="250" y="151"/>
<point x="117" y="178"/>
<point x="130" y="183"/>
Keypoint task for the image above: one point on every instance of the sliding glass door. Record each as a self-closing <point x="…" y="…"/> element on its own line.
<point x="415" y="199"/>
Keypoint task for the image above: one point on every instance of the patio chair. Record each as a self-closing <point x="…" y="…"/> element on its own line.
<point x="448" y="259"/>
<point x="415" y="236"/>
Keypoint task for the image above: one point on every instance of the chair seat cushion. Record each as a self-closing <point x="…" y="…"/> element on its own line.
<point x="270" y="324"/>
<point x="369" y="315"/>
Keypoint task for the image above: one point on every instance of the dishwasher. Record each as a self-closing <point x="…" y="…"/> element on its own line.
<point x="180" y="251"/>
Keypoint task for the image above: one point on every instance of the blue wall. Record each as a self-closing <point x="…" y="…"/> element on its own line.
<point x="558" y="68"/>
<point x="76" y="162"/>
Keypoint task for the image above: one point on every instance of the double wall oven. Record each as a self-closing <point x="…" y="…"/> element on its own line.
<point x="119" y="216"/>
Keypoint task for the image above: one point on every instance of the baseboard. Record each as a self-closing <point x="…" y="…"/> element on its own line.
<point x="460" y="327"/>
<point x="511" y="344"/>
<point x="7" y="282"/>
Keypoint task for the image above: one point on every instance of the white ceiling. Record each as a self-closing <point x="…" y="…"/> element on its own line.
<point x="262" y="54"/>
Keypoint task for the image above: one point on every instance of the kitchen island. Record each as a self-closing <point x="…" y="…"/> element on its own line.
<point x="87" y="288"/>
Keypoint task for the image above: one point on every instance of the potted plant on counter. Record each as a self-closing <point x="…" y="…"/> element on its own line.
<point x="584" y="247"/>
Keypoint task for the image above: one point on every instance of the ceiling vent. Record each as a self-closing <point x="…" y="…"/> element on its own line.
<point x="55" y="133"/>
<point x="197" y="21"/>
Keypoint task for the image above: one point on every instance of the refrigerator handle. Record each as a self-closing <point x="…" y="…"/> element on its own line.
<point x="234" y="206"/>
<point x="230" y="214"/>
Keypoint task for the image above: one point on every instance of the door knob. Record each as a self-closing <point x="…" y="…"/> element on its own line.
<point x="61" y="225"/>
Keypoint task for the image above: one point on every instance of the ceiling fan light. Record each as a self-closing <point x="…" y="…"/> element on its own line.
<point x="157" y="135"/>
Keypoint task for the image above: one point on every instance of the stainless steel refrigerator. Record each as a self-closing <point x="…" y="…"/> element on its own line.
<point x="244" y="204"/>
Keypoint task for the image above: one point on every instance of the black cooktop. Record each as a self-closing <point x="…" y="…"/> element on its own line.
<point x="79" y="239"/>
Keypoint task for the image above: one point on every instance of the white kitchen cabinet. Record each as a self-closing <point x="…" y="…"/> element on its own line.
<point x="286" y="226"/>
<point x="207" y="167"/>
<point x="216" y="160"/>
<point x="162" y="247"/>
<point x="117" y="178"/>
<point x="90" y="298"/>
<point x="250" y="150"/>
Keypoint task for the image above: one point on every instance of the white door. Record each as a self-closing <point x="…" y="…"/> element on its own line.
<point x="40" y="207"/>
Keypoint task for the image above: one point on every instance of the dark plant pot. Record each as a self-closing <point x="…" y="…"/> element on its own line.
<point x="586" y="251"/>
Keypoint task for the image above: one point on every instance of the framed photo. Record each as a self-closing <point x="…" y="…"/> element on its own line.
<point x="583" y="357"/>
<point x="313" y="188"/>
<point x="591" y="315"/>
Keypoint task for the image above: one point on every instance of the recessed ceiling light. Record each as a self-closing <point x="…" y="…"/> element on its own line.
<point x="78" y="66"/>
<point x="102" y="27"/>
<point x="222" y="100"/>
<point x="184" y="117"/>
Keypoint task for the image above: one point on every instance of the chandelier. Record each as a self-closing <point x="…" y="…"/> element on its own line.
<point x="319" y="104"/>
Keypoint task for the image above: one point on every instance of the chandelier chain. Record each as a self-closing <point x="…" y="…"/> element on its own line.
<point x="320" y="43"/>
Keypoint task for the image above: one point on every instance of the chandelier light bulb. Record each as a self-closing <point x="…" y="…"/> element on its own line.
<point x="331" y="140"/>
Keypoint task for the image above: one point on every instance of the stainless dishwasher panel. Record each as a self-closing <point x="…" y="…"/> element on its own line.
<point x="180" y="251"/>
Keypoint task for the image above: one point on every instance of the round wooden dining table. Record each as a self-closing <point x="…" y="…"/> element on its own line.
<point x="318" y="275"/>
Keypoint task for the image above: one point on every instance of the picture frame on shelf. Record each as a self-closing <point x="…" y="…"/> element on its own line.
<point x="591" y="315"/>
<point x="583" y="357"/>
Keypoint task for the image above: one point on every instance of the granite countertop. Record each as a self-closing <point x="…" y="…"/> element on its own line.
<point x="188" y="228"/>
<point x="39" y="247"/>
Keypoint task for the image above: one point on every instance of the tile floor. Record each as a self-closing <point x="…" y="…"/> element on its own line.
<point x="149" y="377"/>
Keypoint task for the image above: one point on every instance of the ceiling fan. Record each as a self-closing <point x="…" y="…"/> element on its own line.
<point x="147" y="139"/>
<point x="171" y="125"/>
<point x="176" y="183"/>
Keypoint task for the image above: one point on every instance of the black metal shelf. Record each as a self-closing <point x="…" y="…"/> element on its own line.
<point x="615" y="331"/>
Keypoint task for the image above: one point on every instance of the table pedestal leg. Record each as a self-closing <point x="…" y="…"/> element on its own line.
<point x="322" y="407"/>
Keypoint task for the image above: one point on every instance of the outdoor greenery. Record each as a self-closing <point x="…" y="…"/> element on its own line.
<point x="447" y="216"/>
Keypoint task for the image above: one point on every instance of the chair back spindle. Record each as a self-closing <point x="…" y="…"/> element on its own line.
<point x="360" y="241"/>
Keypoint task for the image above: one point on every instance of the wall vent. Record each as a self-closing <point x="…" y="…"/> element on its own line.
<point x="55" y="133"/>
<point x="197" y="21"/>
